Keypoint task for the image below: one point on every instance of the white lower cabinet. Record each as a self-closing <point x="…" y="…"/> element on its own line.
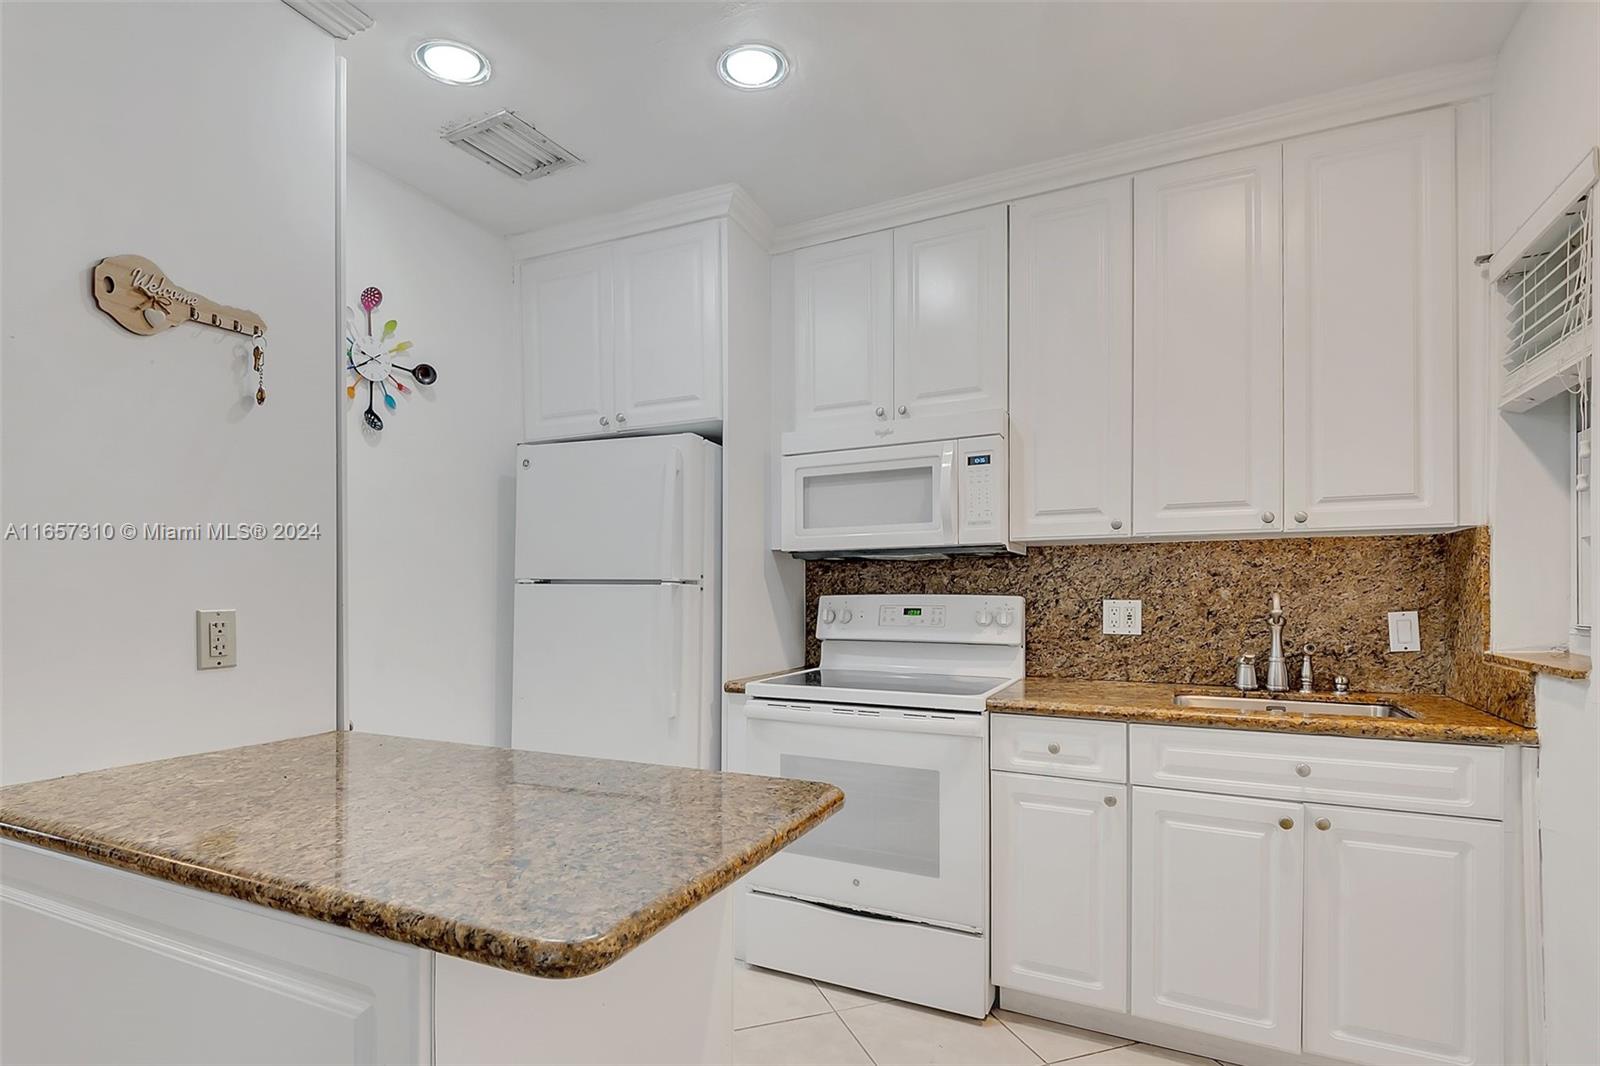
<point x="1216" y="915"/>
<point x="1060" y="889"/>
<point x="1278" y="920"/>
<point x="1404" y="951"/>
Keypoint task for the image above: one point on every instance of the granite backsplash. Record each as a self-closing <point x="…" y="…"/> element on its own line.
<point x="1205" y="602"/>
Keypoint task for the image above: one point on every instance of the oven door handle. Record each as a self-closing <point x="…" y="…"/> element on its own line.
<point x="964" y="725"/>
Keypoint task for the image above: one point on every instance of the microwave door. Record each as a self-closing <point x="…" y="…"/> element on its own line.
<point x="893" y="496"/>
<point x="627" y="509"/>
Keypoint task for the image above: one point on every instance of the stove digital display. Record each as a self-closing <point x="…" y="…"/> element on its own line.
<point x="912" y="612"/>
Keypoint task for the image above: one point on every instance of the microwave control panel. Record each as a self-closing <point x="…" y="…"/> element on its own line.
<point x="982" y="482"/>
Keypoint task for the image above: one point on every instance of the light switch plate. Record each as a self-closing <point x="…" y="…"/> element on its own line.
<point x="1404" y="635"/>
<point x="216" y="637"/>
<point x="1123" y="618"/>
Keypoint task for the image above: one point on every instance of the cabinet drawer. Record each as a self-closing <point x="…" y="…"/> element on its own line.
<point x="1059" y="747"/>
<point x="1394" y="775"/>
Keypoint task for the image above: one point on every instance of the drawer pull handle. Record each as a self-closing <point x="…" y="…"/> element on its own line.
<point x="1111" y="801"/>
<point x="1053" y="748"/>
<point x="1303" y="770"/>
<point x="1286" y="823"/>
<point x="1324" y="825"/>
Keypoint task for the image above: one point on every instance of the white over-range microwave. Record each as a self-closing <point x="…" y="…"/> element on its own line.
<point x="902" y="499"/>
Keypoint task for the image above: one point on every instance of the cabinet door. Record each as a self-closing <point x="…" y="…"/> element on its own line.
<point x="1059" y="902"/>
<point x="950" y="314"/>
<point x="844" y="332"/>
<point x="669" y="327"/>
<point x="566" y="345"/>
<point x="1071" y="444"/>
<point x="1404" y="938"/>
<point x="1208" y="345"/>
<point x="1369" y="325"/>
<point x="1216" y="915"/>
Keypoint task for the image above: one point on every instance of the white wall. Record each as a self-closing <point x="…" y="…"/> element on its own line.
<point x="1546" y="115"/>
<point x="201" y="136"/>
<point x="430" y="501"/>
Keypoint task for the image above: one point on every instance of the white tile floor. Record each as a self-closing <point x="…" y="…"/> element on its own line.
<point x="780" y="1019"/>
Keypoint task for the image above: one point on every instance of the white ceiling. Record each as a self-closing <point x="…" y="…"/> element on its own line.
<point x="884" y="99"/>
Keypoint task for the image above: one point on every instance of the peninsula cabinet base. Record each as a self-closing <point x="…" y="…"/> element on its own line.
<point x="99" y="965"/>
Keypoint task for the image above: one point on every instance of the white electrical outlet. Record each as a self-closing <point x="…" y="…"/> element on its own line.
<point x="1123" y="618"/>
<point x="1404" y="634"/>
<point x="216" y="636"/>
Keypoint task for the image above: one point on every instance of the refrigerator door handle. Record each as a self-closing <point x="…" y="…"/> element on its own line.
<point x="672" y="669"/>
<point x="672" y="561"/>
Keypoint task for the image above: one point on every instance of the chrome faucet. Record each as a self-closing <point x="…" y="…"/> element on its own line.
<point x="1277" y="669"/>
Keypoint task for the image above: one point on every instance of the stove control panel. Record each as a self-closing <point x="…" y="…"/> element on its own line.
<point x="927" y="619"/>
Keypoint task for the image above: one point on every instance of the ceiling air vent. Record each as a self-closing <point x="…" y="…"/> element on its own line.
<point x="510" y="145"/>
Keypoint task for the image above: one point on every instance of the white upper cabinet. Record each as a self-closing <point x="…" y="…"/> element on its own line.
<point x="1060" y="889"/>
<point x="1422" y="982"/>
<point x="1208" y="345"/>
<point x="950" y="314"/>
<point x="1369" y="325"/>
<point x="1071" y="382"/>
<point x="668" y="327"/>
<point x="566" y="344"/>
<point x="1216" y="915"/>
<point x="844" y="332"/>
<point x="624" y="336"/>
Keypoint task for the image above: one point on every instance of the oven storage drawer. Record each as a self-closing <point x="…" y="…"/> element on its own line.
<point x="1395" y="775"/>
<point x="1059" y="747"/>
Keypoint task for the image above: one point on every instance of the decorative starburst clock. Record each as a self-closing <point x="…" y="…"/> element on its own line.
<point x="370" y="357"/>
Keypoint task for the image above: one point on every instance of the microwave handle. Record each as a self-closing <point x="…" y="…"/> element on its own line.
<point x="963" y="725"/>
<point x="947" y="477"/>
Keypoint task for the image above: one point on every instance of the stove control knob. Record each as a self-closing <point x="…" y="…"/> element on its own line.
<point x="827" y="616"/>
<point x="1006" y="617"/>
<point x="984" y="618"/>
<point x="845" y="615"/>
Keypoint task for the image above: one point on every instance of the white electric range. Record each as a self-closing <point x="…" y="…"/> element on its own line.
<point x="890" y="895"/>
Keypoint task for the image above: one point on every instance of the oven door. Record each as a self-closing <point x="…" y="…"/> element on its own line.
<point x="910" y="841"/>
<point x="894" y="496"/>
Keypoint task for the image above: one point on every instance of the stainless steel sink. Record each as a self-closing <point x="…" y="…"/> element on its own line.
<point x="1291" y="707"/>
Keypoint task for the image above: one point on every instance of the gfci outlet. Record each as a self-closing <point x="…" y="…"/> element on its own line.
<point x="216" y="636"/>
<point x="1124" y="618"/>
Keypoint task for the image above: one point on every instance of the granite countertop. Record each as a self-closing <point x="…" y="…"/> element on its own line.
<point x="1439" y="718"/>
<point x="737" y="685"/>
<point x="1558" y="663"/>
<point x="548" y="865"/>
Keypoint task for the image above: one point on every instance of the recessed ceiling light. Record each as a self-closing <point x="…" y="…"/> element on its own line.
<point x="451" y="62"/>
<point x="752" y="66"/>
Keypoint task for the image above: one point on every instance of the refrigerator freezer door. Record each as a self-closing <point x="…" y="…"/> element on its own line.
<point x="628" y="509"/>
<point x="611" y="672"/>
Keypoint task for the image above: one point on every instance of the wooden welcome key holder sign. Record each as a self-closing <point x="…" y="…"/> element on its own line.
<point x="136" y="292"/>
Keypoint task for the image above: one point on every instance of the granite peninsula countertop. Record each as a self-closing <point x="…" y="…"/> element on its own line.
<point x="1439" y="718"/>
<point x="548" y="865"/>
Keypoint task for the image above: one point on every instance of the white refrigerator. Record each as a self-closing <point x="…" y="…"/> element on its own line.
<point x="616" y="641"/>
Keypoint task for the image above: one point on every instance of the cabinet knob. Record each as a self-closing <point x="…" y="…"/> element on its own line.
<point x="901" y="410"/>
<point x="1324" y="825"/>
<point x="1268" y="517"/>
<point x="621" y="418"/>
<point x="1111" y="801"/>
<point x="1116" y="523"/>
<point x="1053" y="748"/>
<point x="880" y="412"/>
<point x="525" y="464"/>
<point x="1302" y="769"/>
<point x="1301" y="516"/>
<point x="1285" y="823"/>
<point x="604" y="421"/>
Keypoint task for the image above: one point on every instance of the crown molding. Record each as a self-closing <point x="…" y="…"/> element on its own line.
<point x="719" y="201"/>
<point x="1434" y="87"/>
<point x="339" y="19"/>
